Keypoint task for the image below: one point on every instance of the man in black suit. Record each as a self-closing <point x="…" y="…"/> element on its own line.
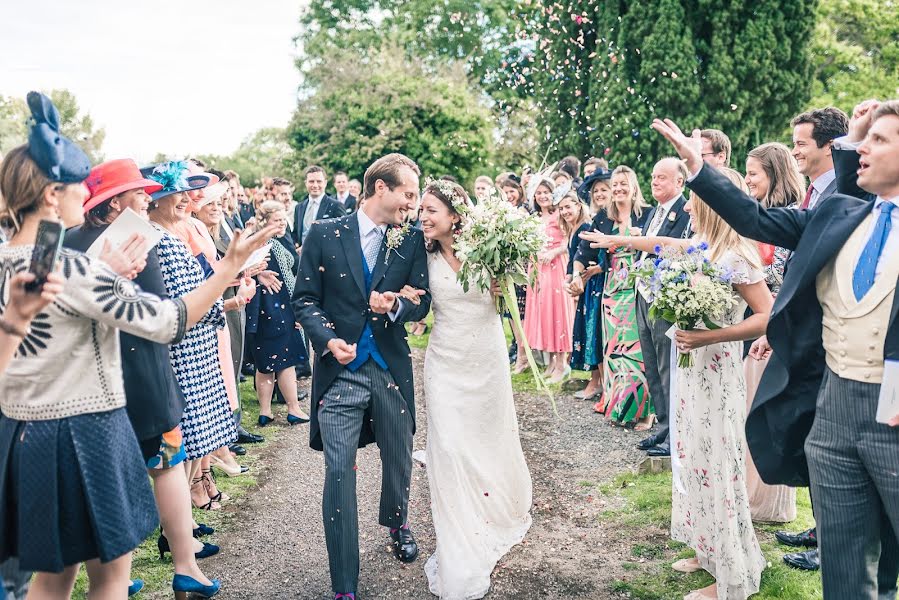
<point x="819" y="415"/>
<point x="351" y="269"/>
<point x="316" y="206"/>
<point x="342" y="187"/>
<point x="667" y="219"/>
<point x="813" y="135"/>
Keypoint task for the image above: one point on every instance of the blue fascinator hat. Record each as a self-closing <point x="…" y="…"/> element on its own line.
<point x="600" y="174"/>
<point x="58" y="157"/>
<point x="174" y="177"/>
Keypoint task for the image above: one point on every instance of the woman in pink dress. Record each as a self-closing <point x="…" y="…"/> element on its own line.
<point x="549" y="311"/>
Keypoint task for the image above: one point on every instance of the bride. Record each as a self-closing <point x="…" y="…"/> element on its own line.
<point x="479" y="481"/>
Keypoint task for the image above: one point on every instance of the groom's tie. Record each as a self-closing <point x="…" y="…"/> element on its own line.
<point x="372" y="247"/>
<point x="863" y="276"/>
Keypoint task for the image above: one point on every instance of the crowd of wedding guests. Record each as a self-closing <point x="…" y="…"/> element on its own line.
<point x="145" y="349"/>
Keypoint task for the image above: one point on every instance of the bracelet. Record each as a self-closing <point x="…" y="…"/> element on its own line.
<point x="10" y="329"/>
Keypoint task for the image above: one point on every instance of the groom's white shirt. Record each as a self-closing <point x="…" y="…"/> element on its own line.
<point x="372" y="233"/>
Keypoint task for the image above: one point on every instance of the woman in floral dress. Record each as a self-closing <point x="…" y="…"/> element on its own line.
<point x="710" y="506"/>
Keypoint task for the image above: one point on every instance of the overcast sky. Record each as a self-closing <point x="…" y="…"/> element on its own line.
<point x="178" y="77"/>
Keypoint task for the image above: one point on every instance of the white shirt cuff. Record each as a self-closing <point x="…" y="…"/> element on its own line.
<point x="841" y="143"/>
<point x="695" y="175"/>
<point x="395" y="314"/>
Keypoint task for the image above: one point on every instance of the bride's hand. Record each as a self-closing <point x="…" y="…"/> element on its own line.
<point x="411" y="294"/>
<point x="496" y="289"/>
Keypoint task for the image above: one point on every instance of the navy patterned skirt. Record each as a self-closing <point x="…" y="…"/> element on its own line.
<point x="587" y="347"/>
<point x="72" y="490"/>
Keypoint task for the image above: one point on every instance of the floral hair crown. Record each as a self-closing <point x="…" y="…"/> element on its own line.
<point x="460" y="201"/>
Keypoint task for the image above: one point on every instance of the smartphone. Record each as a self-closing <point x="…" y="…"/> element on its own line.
<point x="45" y="253"/>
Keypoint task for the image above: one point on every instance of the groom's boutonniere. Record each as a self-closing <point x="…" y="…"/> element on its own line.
<point x="672" y="217"/>
<point x="395" y="237"/>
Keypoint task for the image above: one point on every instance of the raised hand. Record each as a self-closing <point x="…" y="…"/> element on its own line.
<point x="243" y="245"/>
<point x="270" y="281"/>
<point x="382" y="303"/>
<point x="688" y="148"/>
<point x="343" y="352"/>
<point x="129" y="258"/>
<point x="598" y="240"/>
<point x="860" y="122"/>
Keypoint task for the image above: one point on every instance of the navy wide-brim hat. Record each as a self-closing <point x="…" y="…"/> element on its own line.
<point x="61" y="159"/>
<point x="600" y="174"/>
<point x="173" y="177"/>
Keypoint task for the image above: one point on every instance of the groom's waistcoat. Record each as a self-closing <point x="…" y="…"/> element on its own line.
<point x="366" y="347"/>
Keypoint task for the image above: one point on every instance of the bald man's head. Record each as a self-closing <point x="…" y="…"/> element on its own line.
<point x="668" y="178"/>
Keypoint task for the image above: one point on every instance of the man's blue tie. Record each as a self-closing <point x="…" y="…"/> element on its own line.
<point x="863" y="276"/>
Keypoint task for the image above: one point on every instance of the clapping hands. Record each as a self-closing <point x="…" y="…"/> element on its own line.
<point x="129" y="258"/>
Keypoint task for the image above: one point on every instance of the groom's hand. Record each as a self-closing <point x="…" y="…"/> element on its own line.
<point x="382" y="303"/>
<point x="412" y="294"/>
<point x="343" y="352"/>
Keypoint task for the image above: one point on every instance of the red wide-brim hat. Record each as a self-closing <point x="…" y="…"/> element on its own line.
<point x="115" y="177"/>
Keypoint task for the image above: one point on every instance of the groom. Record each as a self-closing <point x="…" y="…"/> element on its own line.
<point x="351" y="269"/>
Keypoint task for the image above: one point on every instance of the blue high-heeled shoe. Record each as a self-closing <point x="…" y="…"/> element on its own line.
<point x="136" y="586"/>
<point x="162" y="544"/>
<point x="263" y="420"/>
<point x="203" y="529"/>
<point x="183" y="585"/>
<point x="292" y="420"/>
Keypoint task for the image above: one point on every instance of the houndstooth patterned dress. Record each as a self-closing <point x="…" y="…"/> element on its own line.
<point x="207" y="423"/>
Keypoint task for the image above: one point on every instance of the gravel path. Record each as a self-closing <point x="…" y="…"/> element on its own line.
<point x="275" y="547"/>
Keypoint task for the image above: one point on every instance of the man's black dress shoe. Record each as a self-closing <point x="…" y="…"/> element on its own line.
<point x="660" y="450"/>
<point x="237" y="449"/>
<point x="404" y="547"/>
<point x="807" y="538"/>
<point x="647" y="443"/>
<point x="807" y="561"/>
<point x="245" y="437"/>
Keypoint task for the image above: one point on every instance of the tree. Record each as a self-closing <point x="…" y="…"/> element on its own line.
<point x="14" y="117"/>
<point x="855" y="52"/>
<point x="387" y="103"/>
<point x="741" y="67"/>
<point x="262" y="154"/>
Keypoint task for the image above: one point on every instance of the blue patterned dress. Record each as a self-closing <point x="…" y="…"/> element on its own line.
<point x="207" y="423"/>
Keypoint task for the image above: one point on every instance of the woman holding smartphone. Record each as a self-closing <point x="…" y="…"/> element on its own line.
<point x="72" y="484"/>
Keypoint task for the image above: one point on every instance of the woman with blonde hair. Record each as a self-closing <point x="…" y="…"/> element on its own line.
<point x="710" y="504"/>
<point x="272" y="335"/>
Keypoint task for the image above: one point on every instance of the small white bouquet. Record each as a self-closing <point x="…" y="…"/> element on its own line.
<point x="685" y="288"/>
<point x="499" y="242"/>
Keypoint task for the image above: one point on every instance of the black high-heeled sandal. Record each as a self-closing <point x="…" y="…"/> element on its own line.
<point x="209" y="505"/>
<point x="209" y="476"/>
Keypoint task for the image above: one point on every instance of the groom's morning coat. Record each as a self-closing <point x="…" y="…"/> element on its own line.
<point x="331" y="301"/>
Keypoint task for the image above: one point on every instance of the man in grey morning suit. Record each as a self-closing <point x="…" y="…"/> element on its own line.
<point x="362" y="391"/>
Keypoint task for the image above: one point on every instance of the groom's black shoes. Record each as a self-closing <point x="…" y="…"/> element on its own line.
<point x="404" y="547"/>
<point x="660" y="450"/>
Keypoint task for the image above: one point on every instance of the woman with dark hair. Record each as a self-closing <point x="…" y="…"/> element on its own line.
<point x="88" y="499"/>
<point x="473" y="444"/>
<point x="515" y="195"/>
<point x="550" y="313"/>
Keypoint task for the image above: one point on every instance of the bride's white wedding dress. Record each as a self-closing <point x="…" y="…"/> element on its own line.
<point x="479" y="481"/>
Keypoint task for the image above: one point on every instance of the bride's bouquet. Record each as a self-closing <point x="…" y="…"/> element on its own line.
<point x="685" y="288"/>
<point x="498" y="242"/>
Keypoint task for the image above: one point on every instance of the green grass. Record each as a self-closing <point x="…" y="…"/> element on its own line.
<point x="644" y="501"/>
<point x="157" y="574"/>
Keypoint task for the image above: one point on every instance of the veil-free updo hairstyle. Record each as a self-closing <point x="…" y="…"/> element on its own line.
<point x="453" y="196"/>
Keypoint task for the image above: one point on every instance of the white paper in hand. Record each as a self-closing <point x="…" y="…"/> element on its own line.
<point x="256" y="258"/>
<point x="888" y="403"/>
<point x="126" y="224"/>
